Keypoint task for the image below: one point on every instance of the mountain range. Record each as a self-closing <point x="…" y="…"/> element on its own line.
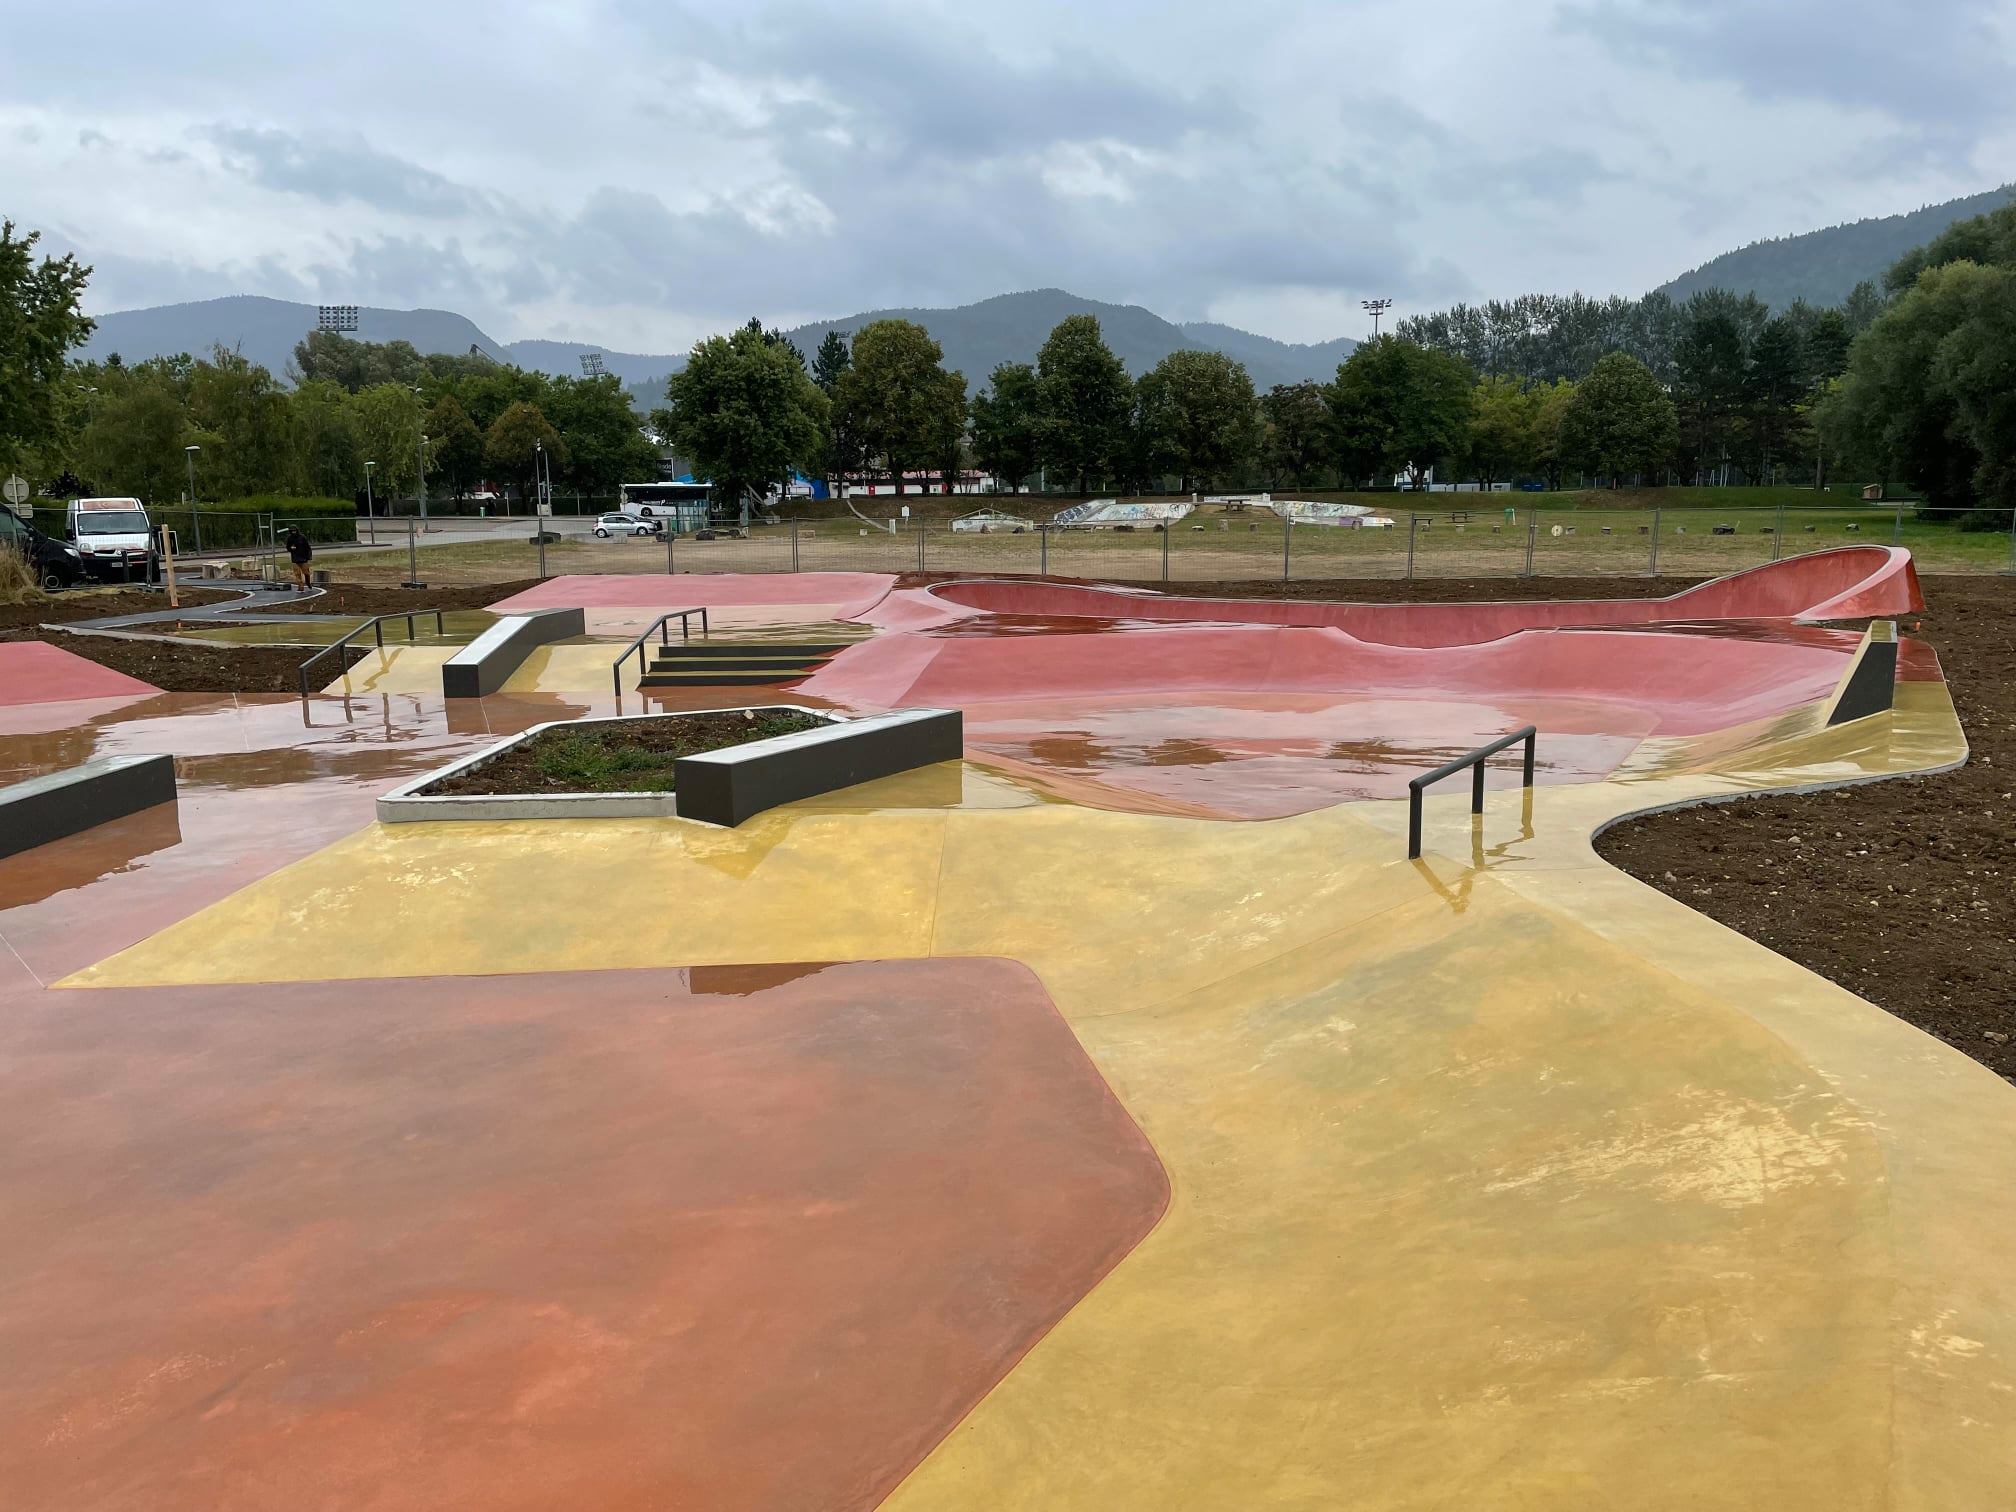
<point x="1818" y="266"/>
<point x="1821" y="267"/>
<point x="976" y="338"/>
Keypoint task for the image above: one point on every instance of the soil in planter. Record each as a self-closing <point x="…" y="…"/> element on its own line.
<point x="634" y="756"/>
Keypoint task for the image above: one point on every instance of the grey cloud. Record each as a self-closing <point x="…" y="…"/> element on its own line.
<point x="1939" y="67"/>
<point x="333" y="171"/>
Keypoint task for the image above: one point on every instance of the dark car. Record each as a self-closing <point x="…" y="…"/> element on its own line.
<point x="56" y="564"/>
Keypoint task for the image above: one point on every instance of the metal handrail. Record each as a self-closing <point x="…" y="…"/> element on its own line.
<point x="1475" y="761"/>
<point x="376" y="624"/>
<point x="636" y="647"/>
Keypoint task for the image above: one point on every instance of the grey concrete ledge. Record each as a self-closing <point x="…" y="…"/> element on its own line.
<point x="728" y="786"/>
<point x="408" y="803"/>
<point x="486" y="663"/>
<point x="82" y="797"/>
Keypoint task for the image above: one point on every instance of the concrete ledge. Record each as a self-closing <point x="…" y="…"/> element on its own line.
<point x="727" y="787"/>
<point x="486" y="663"/>
<point x="1870" y="686"/>
<point x="83" y="797"/>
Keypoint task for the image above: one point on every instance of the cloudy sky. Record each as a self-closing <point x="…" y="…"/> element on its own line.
<point x="635" y="173"/>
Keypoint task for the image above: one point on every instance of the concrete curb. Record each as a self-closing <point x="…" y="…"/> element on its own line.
<point x="82" y="797"/>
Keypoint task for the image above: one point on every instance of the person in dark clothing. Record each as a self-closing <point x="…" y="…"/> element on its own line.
<point x="300" y="553"/>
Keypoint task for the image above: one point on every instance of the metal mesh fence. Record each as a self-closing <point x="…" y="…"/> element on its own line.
<point x="1249" y="545"/>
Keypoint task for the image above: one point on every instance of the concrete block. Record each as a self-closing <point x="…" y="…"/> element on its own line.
<point x="727" y="787"/>
<point x="486" y="663"/>
<point x="83" y="797"/>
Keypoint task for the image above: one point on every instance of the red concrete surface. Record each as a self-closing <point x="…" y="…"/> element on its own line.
<point x="1844" y="583"/>
<point x="747" y="1238"/>
<point x="37" y="672"/>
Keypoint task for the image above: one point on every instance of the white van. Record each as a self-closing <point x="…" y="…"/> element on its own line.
<point x="114" y="536"/>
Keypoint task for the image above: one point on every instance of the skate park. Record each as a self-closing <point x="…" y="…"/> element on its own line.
<point x="1117" y="1116"/>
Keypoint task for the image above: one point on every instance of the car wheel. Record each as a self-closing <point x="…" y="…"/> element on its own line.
<point x="641" y="530"/>
<point x="601" y="532"/>
<point x="52" y="581"/>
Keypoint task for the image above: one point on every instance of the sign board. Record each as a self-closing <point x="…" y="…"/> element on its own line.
<point x="16" y="491"/>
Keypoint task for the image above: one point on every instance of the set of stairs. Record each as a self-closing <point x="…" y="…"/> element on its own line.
<point x="731" y="664"/>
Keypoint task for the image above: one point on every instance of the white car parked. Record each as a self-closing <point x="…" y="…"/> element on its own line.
<point x="626" y="524"/>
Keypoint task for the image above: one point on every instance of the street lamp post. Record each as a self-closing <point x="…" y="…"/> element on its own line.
<point x="421" y="448"/>
<point x="195" y="520"/>
<point x="538" y="509"/>
<point x="1375" y="308"/>
<point x="370" y="512"/>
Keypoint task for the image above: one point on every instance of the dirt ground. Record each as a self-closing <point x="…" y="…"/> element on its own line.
<point x="190" y="666"/>
<point x="97" y="603"/>
<point x="1904" y="892"/>
<point x="372" y="598"/>
<point x="634" y="756"/>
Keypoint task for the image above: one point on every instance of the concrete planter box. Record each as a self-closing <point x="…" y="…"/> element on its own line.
<point x="64" y="803"/>
<point x="486" y="663"/>
<point x="718" y="787"/>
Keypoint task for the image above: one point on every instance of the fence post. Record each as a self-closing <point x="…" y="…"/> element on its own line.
<point x="1653" y="569"/>
<point x="920" y="545"/>
<point x="671" y="535"/>
<point x="412" y="556"/>
<point x="1043" y="549"/>
<point x="1287" y="535"/>
<point x="539" y="539"/>
<point x="1165" y="551"/>
<point x="1532" y="535"/>
<point x="1413" y="525"/>
<point x="2010" y="570"/>
<point x="1897" y="525"/>
<point x="1778" y="535"/>
<point x="794" y="545"/>
<point x="196" y="520"/>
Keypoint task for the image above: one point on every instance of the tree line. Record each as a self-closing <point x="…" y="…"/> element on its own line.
<point x="1912" y="385"/>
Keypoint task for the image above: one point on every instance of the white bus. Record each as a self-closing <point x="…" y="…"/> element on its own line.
<point x="684" y="504"/>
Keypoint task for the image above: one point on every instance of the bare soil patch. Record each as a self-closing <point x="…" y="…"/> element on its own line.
<point x="629" y="756"/>
<point x="98" y="603"/>
<point x="369" y="599"/>
<point x="185" y="666"/>
<point x="1904" y="892"/>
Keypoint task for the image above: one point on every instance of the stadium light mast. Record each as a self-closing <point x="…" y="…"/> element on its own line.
<point x="591" y="365"/>
<point x="341" y="319"/>
<point x="1375" y="308"/>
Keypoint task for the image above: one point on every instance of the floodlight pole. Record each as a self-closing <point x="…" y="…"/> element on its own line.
<point x="1375" y="308"/>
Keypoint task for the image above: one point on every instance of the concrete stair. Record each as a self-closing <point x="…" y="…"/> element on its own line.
<point x="730" y="664"/>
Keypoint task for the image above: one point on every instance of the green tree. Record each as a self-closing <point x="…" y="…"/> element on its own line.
<point x="605" y="445"/>
<point x="139" y="425"/>
<point x="1550" y="408"/>
<point x="1774" y="384"/>
<point x="1007" y="424"/>
<point x="1987" y="240"/>
<point x="457" y="446"/>
<point x="1395" y="405"/>
<point x="830" y="361"/>
<point x="1712" y="361"/>
<point x="1297" y="432"/>
<point x="324" y="458"/>
<point x="895" y="399"/>
<point x="239" y="416"/>
<point x="329" y="357"/>
<point x="1200" y="414"/>
<point x="1930" y="392"/>
<point x="745" y="412"/>
<point x="1087" y="400"/>
<point x="41" y="320"/>
<point x="511" y="450"/>
<point x="386" y="420"/>
<point x="1619" y="421"/>
<point x="1502" y="441"/>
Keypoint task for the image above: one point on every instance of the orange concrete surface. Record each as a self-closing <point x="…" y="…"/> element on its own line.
<point x="728" y="1238"/>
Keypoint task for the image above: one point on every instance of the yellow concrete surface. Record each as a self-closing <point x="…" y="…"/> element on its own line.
<point x="1498" y="1180"/>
